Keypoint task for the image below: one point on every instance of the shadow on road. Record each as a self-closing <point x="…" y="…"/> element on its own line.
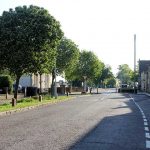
<point x="121" y="130"/>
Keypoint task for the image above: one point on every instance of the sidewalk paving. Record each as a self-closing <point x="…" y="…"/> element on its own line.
<point x="144" y="93"/>
<point x="3" y="99"/>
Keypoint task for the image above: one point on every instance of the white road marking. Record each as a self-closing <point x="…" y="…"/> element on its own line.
<point x="147" y="144"/>
<point x="146" y="128"/>
<point x="147" y="134"/>
<point x="145" y="124"/>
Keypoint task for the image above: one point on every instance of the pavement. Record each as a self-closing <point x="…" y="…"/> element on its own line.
<point x="3" y="99"/>
<point x="10" y="96"/>
<point x="144" y="93"/>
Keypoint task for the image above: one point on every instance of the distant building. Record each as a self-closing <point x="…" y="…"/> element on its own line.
<point x="144" y="75"/>
<point x="33" y="80"/>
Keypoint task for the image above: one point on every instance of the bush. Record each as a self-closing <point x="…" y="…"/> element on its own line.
<point x="126" y="90"/>
<point x="6" y="81"/>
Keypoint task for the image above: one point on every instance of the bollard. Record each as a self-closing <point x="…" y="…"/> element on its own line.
<point x="90" y="90"/>
<point x="6" y="92"/>
<point x="25" y="92"/>
<point x="13" y="102"/>
<point x="67" y="93"/>
<point x="40" y="98"/>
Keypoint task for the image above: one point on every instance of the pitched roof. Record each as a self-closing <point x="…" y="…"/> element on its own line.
<point x="143" y="65"/>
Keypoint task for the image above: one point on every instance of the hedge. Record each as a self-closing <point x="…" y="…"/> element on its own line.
<point x="5" y="81"/>
<point x="126" y="90"/>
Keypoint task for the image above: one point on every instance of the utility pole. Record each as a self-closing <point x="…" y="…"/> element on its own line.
<point x="55" y="86"/>
<point x="134" y="61"/>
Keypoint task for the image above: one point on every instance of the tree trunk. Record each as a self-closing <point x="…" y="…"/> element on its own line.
<point x="97" y="89"/>
<point x="40" y="83"/>
<point x="70" y="87"/>
<point x="52" y="85"/>
<point x="16" y="87"/>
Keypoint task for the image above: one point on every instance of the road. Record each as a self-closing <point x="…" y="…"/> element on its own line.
<point x="106" y="121"/>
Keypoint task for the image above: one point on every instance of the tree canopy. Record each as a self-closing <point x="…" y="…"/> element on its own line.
<point x="107" y="77"/>
<point x="90" y="66"/>
<point x="67" y="57"/>
<point x="28" y="40"/>
<point x="125" y="74"/>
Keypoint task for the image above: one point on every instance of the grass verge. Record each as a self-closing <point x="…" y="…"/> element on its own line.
<point x="33" y="101"/>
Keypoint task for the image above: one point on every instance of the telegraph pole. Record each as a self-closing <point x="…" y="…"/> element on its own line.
<point x="134" y="61"/>
<point x="55" y="86"/>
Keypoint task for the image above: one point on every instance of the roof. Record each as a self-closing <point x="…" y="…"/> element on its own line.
<point x="143" y="65"/>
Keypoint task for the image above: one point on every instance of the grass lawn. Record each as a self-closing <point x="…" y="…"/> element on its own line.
<point x="33" y="101"/>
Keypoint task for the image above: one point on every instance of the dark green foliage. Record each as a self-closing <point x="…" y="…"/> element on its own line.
<point x="67" y="55"/>
<point x="77" y="83"/>
<point x="66" y="60"/>
<point x="125" y="74"/>
<point x="106" y="72"/>
<point x="88" y="65"/>
<point x="134" y="76"/>
<point x="6" y="81"/>
<point x="127" y="90"/>
<point x="28" y="40"/>
<point x="110" y="82"/>
<point x="107" y="78"/>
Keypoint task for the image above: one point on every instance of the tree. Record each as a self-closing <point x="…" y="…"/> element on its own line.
<point x="67" y="57"/>
<point x="6" y="81"/>
<point x="125" y="74"/>
<point x="106" y="74"/>
<point x="134" y="76"/>
<point x="110" y="82"/>
<point x="28" y="40"/>
<point x="90" y="66"/>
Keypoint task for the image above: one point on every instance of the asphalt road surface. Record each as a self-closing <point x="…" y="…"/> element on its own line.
<point x="106" y="121"/>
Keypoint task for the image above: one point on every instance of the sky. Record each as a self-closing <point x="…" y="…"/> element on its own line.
<point x="106" y="27"/>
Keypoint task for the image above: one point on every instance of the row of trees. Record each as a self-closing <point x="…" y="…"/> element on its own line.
<point x="31" y="41"/>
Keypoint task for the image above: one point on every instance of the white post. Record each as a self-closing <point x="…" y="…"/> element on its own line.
<point x="134" y="60"/>
<point x="55" y="87"/>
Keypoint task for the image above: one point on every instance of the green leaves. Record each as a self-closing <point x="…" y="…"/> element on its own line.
<point x="28" y="39"/>
<point x="67" y="57"/>
<point x="125" y="74"/>
<point x="90" y="66"/>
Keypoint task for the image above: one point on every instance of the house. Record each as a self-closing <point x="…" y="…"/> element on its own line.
<point x="144" y="75"/>
<point x="33" y="80"/>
